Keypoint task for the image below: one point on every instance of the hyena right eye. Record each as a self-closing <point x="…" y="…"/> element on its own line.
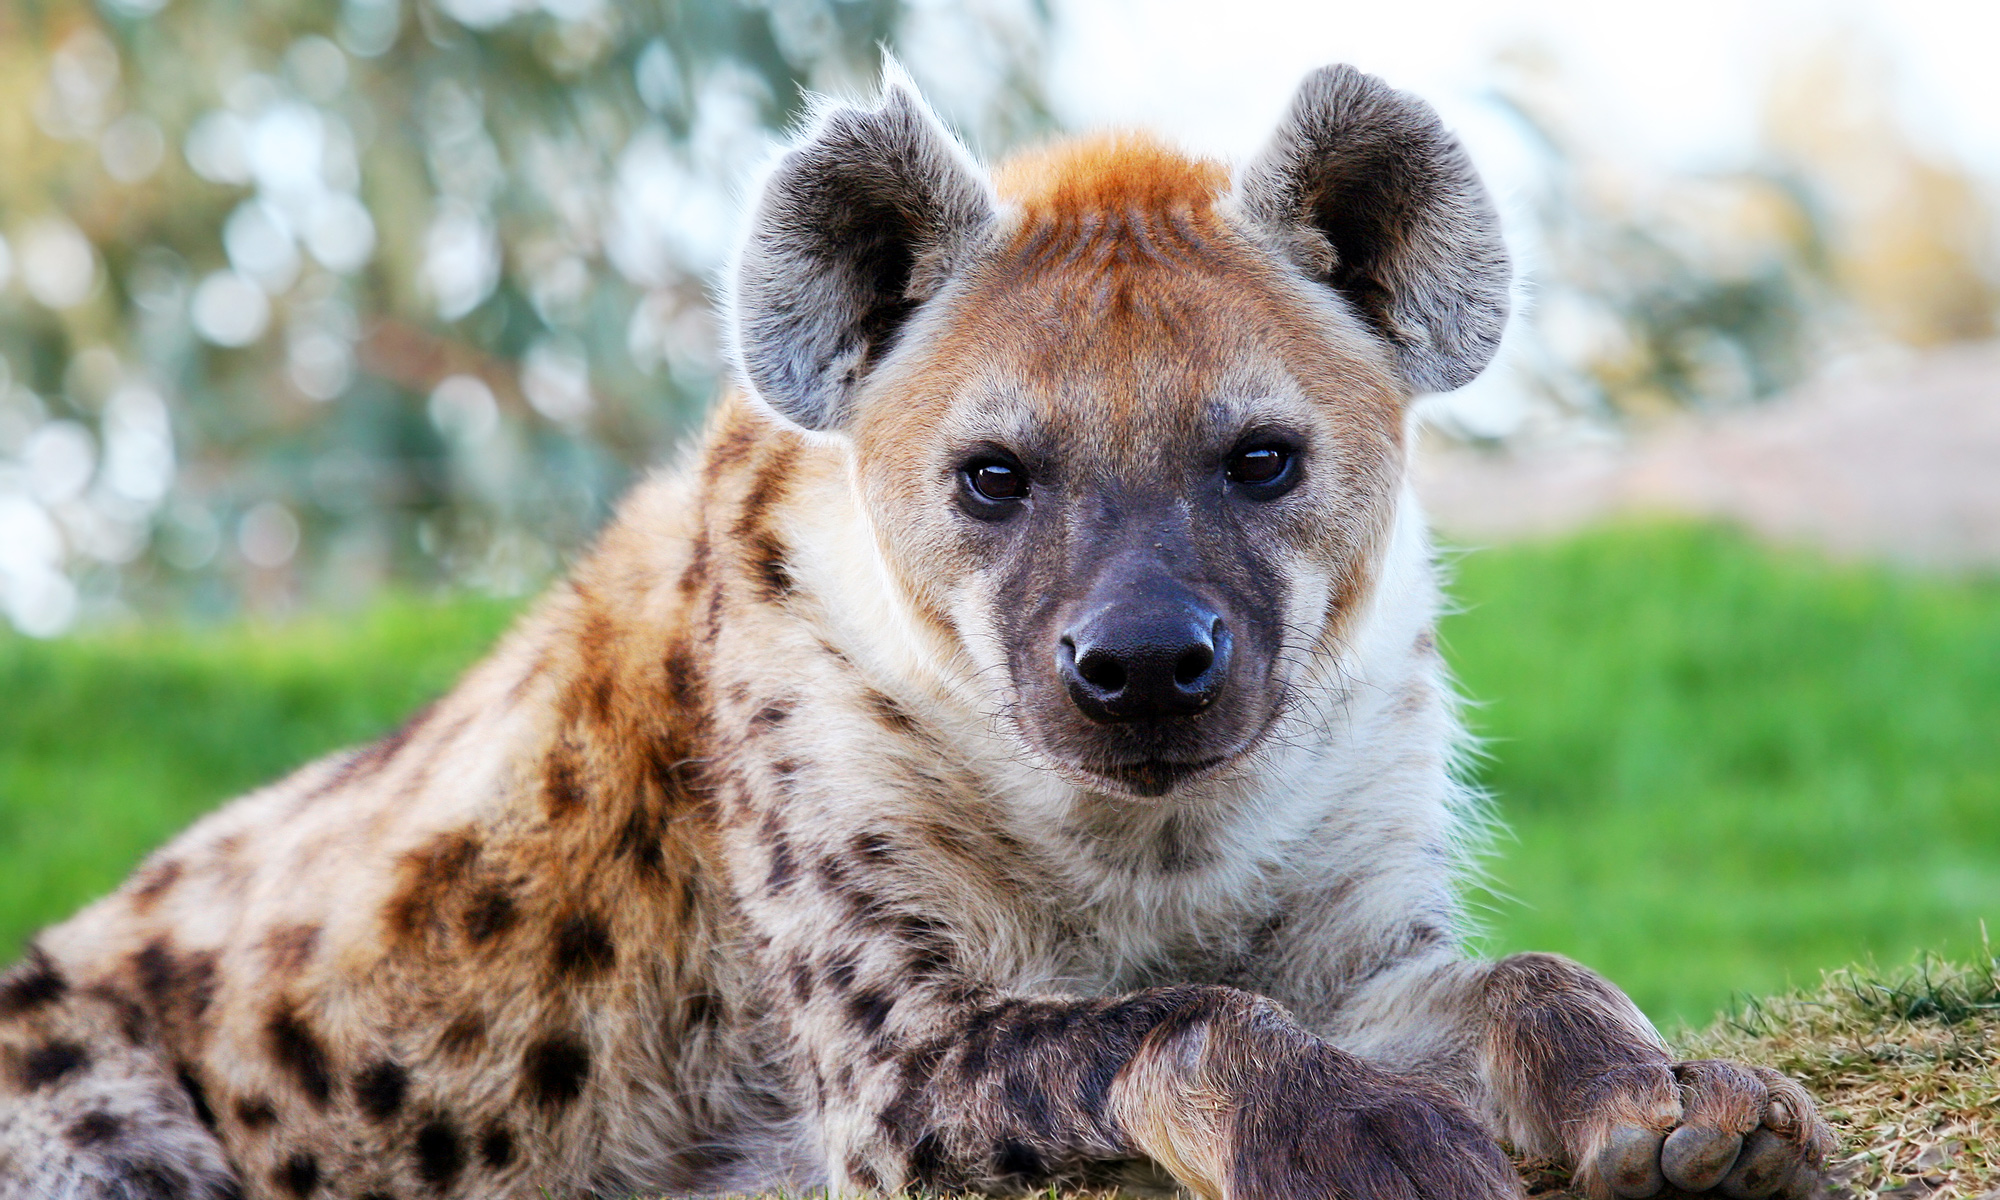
<point x="993" y="487"/>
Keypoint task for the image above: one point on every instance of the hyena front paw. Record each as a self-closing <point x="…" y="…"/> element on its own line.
<point x="1708" y="1126"/>
<point x="1304" y="1140"/>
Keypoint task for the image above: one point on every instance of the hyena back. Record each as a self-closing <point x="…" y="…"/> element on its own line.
<point x="1011" y="748"/>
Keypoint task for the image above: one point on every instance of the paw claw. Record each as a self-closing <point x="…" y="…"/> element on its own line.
<point x="1630" y="1162"/>
<point x="1695" y="1158"/>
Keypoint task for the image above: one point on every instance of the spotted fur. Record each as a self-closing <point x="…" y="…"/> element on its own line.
<point x="782" y="846"/>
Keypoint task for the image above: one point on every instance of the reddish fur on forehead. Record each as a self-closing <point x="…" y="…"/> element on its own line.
<point x="1107" y="173"/>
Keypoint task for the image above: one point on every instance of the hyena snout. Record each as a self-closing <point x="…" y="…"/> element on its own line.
<point x="1163" y="655"/>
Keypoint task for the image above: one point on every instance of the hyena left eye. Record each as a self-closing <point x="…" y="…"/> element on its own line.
<point x="992" y="487"/>
<point x="1261" y="468"/>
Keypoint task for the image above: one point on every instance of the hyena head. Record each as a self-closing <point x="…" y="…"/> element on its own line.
<point x="1128" y="431"/>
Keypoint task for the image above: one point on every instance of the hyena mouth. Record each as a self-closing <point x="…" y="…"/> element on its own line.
<point x="1154" y="776"/>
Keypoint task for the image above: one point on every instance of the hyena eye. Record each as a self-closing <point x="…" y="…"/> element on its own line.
<point x="993" y="486"/>
<point x="1264" y="470"/>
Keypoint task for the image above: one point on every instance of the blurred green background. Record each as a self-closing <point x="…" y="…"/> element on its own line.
<point x="1725" y="768"/>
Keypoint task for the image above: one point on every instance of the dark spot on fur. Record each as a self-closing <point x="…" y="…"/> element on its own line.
<point x="489" y="914"/>
<point x="179" y="986"/>
<point x="440" y="1156"/>
<point x="928" y="1165"/>
<point x="196" y="1094"/>
<point x="869" y="1009"/>
<point x="93" y="1128"/>
<point x="496" y="1146"/>
<point x="155" y="1180"/>
<point x="430" y="874"/>
<point x="802" y="981"/>
<point x="379" y="1089"/>
<point x="153" y="883"/>
<point x="376" y="1196"/>
<point x="767" y="566"/>
<point x="582" y="947"/>
<point x="682" y="681"/>
<point x="872" y="846"/>
<point x="639" y="840"/>
<point x="703" y="1008"/>
<point x="891" y="714"/>
<point x="770" y="715"/>
<point x="1017" y="1158"/>
<point x="864" y="1175"/>
<point x="51" y="1061"/>
<point x="464" y="1036"/>
<point x="695" y="574"/>
<point x="32" y="984"/>
<point x="767" y="487"/>
<point x="784" y="868"/>
<point x="255" y="1112"/>
<point x="832" y="872"/>
<point x="555" y="1069"/>
<point x="299" y="1051"/>
<point x="1027" y="1100"/>
<point x="710" y="1156"/>
<point x="133" y="1023"/>
<point x="931" y="953"/>
<point x="298" y="1174"/>
<point x="562" y="781"/>
<point x="839" y="972"/>
<point x="291" y="947"/>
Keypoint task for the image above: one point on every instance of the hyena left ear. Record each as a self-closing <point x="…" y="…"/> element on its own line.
<point x="1365" y="190"/>
<point x="859" y="224"/>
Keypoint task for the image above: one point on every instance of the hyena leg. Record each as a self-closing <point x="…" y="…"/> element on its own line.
<point x="87" y="1114"/>
<point x="1564" y="1065"/>
<point x="1218" y="1087"/>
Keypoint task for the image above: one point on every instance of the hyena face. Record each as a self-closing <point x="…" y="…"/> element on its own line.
<point x="1138" y="466"/>
<point x="1130" y="434"/>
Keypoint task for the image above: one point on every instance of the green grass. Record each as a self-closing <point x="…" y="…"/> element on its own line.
<point x="1726" y="768"/>
<point x="110" y="742"/>
<point x="1729" y="768"/>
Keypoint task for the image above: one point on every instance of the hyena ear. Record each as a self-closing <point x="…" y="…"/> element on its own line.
<point x="1365" y="190"/>
<point x="858" y="225"/>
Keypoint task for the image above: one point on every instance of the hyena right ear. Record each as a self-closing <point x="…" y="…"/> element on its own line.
<point x="859" y="224"/>
<point x="1365" y="190"/>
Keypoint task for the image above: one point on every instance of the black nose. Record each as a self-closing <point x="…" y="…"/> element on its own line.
<point x="1131" y="662"/>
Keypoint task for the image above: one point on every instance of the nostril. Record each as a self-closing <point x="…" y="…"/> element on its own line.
<point x="1102" y="672"/>
<point x="1192" y="665"/>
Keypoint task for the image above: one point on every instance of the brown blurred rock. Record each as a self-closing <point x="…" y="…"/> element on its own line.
<point x="1898" y="462"/>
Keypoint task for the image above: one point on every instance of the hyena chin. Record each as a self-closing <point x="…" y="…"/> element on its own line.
<point x="1011" y="749"/>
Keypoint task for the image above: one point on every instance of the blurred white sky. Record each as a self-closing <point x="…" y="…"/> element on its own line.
<point x="1682" y="80"/>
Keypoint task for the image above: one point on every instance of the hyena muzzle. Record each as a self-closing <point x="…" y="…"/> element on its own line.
<point x="1012" y="748"/>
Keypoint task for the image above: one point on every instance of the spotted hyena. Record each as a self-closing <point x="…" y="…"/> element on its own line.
<point x="1011" y="748"/>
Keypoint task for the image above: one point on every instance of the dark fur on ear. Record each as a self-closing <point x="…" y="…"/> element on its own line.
<point x="860" y="223"/>
<point x="1366" y="191"/>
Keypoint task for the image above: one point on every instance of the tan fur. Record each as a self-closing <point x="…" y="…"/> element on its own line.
<point x="767" y="851"/>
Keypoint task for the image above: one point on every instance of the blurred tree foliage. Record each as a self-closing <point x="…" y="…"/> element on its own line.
<point x="299" y="296"/>
<point x="1659" y="292"/>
